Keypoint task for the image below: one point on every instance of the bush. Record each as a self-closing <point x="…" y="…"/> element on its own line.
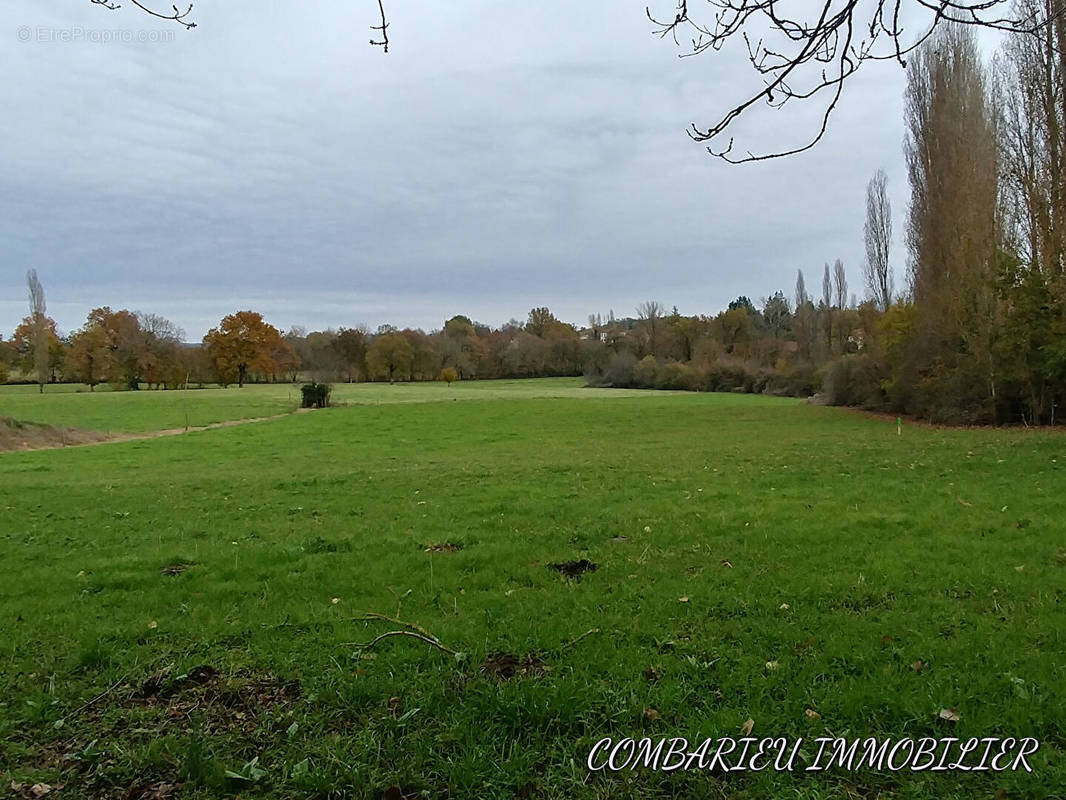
<point x="646" y="373"/>
<point x="315" y="395"/>
<point x="619" y="372"/>
<point x="853" y="380"/>
<point x="676" y="375"/>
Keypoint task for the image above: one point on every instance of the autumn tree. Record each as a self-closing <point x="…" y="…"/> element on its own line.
<point x="538" y="320"/>
<point x="285" y="361"/>
<point x="733" y="328"/>
<point x="350" y="347"/>
<point x="1031" y="92"/>
<point x="160" y="357"/>
<point x="31" y="333"/>
<point x="951" y="152"/>
<point x="7" y="356"/>
<point x="90" y="358"/>
<point x="320" y="355"/>
<point x="127" y="346"/>
<point x="460" y="346"/>
<point x="390" y="356"/>
<point x="449" y="375"/>
<point x="243" y="342"/>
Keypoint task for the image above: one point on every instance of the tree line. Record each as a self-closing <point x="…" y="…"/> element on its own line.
<point x="133" y="350"/>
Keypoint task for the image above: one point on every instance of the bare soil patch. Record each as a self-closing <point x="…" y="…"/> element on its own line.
<point x="504" y="666"/>
<point x="16" y="435"/>
<point x="575" y="569"/>
<point x="19" y="435"/>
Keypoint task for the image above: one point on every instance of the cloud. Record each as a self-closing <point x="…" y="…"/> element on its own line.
<point x="499" y="157"/>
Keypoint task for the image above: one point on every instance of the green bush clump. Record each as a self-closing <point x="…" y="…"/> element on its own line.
<point x="315" y="395"/>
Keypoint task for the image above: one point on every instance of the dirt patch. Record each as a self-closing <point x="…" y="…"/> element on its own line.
<point x="444" y="548"/>
<point x="16" y="435"/>
<point x="152" y="791"/>
<point x="505" y="666"/>
<point x="34" y="791"/>
<point x="175" y="569"/>
<point x="575" y="569"/>
<point x="223" y="703"/>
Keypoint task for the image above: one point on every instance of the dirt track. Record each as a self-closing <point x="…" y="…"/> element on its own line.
<point x="25" y="436"/>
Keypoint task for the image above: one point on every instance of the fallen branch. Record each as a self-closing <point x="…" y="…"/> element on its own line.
<point x="568" y="645"/>
<point x="373" y="615"/>
<point x="431" y="641"/>
<point x="99" y="697"/>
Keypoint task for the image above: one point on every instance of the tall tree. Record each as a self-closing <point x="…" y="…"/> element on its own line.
<point x="840" y="303"/>
<point x="801" y="289"/>
<point x="826" y="308"/>
<point x="40" y="328"/>
<point x="953" y="229"/>
<point x="878" y="235"/>
<point x="840" y="285"/>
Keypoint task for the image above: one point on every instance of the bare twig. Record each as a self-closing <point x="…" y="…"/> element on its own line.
<point x="572" y="642"/>
<point x="373" y="615"/>
<point x="383" y="27"/>
<point x="798" y="57"/>
<point x="177" y="16"/>
<point x="99" y="697"/>
<point x="431" y="641"/>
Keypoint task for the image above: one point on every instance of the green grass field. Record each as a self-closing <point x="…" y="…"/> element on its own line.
<point x="72" y="405"/>
<point x="758" y="558"/>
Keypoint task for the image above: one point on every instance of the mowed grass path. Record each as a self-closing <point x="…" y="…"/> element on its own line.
<point x="822" y="557"/>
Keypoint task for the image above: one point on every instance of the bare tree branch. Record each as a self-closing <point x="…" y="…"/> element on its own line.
<point x="177" y="16"/>
<point x="794" y="57"/>
<point x="801" y="57"/>
<point x="383" y="27"/>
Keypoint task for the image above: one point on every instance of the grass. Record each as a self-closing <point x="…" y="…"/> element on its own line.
<point x="73" y="405"/>
<point x="822" y="557"/>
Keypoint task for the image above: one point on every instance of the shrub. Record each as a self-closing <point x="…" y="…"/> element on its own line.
<point x="646" y="373"/>
<point x="853" y="380"/>
<point x="315" y="395"/>
<point x="676" y="375"/>
<point x="619" y="372"/>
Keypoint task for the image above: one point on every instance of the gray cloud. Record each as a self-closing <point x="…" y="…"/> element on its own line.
<point x="496" y="159"/>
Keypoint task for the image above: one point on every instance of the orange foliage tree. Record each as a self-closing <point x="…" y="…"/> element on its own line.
<point x="243" y="342"/>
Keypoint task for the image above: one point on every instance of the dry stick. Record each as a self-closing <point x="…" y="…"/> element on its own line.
<point x="568" y="645"/>
<point x="372" y="615"/>
<point x="99" y="697"/>
<point x="427" y="639"/>
<point x="399" y="600"/>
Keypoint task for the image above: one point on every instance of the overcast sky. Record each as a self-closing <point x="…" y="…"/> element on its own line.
<point x="501" y="156"/>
